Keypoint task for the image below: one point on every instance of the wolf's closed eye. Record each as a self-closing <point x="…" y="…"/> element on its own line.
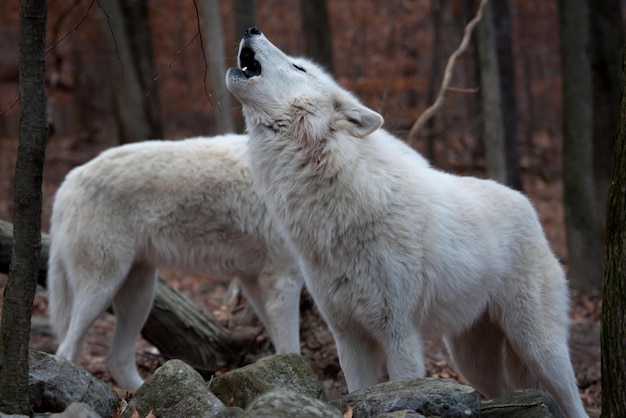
<point x="297" y="67"/>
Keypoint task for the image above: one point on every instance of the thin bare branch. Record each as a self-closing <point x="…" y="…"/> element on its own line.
<point x="430" y="112"/>
<point x="117" y="50"/>
<point x="17" y="100"/>
<point x="53" y="46"/>
<point x="206" y="62"/>
<point x="74" y="28"/>
<point x="465" y="90"/>
<point x="178" y="54"/>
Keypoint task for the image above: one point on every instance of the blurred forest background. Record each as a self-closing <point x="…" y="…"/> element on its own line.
<point x="121" y="71"/>
<point x="533" y="103"/>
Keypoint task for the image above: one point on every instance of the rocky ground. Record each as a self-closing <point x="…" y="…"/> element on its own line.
<point x="317" y="344"/>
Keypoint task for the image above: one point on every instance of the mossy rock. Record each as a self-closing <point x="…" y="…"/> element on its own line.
<point x="291" y="371"/>
<point x="174" y="390"/>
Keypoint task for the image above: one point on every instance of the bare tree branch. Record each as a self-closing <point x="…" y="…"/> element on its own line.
<point x="430" y="112"/>
<point x="74" y="28"/>
<point x="58" y="41"/>
<point x="117" y="49"/>
<point x="463" y="89"/>
<point x="8" y="109"/>
<point x="169" y="66"/>
<point x="206" y="62"/>
<point x="178" y="53"/>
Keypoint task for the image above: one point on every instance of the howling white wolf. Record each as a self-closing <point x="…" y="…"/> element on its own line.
<point x="393" y="250"/>
<point x="182" y="204"/>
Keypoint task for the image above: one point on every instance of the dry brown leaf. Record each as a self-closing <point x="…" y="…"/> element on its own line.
<point x="348" y="413"/>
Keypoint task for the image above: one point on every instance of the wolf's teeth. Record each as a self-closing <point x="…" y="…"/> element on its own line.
<point x="244" y="69"/>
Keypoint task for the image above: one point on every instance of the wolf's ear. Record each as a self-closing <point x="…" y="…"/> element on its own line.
<point x="352" y="117"/>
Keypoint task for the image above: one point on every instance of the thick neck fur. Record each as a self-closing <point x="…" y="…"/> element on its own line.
<point x="302" y="174"/>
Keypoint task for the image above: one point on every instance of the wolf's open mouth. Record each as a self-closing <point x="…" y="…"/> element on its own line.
<point x="249" y="65"/>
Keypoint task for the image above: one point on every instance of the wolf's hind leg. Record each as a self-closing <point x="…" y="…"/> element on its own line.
<point x="516" y="370"/>
<point x="85" y="310"/>
<point x="92" y="292"/>
<point x="542" y="345"/>
<point x="477" y="353"/>
<point x="131" y="304"/>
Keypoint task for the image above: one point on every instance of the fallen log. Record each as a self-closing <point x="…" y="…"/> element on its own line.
<point x="175" y="326"/>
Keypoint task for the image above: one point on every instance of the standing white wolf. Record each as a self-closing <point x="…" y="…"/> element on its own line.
<point x="392" y="249"/>
<point x="183" y="204"/>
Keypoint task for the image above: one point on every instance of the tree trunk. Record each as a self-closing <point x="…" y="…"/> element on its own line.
<point x="244" y="12"/>
<point x="506" y="71"/>
<point x="216" y="60"/>
<point x="137" y="116"/>
<point x="436" y="13"/>
<point x="606" y="48"/>
<point x="20" y="290"/>
<point x="318" y="41"/>
<point x="584" y="245"/>
<point x="613" y="337"/>
<point x="175" y="325"/>
<point x="491" y="101"/>
<point x="244" y="15"/>
<point x="137" y="25"/>
<point x="180" y="330"/>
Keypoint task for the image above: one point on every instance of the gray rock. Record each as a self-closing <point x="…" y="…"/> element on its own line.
<point x="56" y="383"/>
<point x="231" y="412"/>
<point x="401" y="414"/>
<point x="286" y="403"/>
<point x="239" y="387"/>
<point x="175" y="390"/>
<point x="523" y="403"/>
<point x="77" y="410"/>
<point x="429" y="397"/>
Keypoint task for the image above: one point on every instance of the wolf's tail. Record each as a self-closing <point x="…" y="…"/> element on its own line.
<point x="60" y="295"/>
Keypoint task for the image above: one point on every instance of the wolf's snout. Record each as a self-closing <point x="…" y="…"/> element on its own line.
<point x="252" y="31"/>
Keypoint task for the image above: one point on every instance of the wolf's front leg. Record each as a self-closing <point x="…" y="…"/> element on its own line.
<point x="275" y="297"/>
<point x="281" y="293"/>
<point x="404" y="353"/>
<point x="360" y="357"/>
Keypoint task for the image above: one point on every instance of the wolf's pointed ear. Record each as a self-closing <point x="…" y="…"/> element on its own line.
<point x="352" y="117"/>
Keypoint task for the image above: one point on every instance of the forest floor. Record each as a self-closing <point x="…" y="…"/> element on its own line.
<point x="316" y="341"/>
<point x="215" y="299"/>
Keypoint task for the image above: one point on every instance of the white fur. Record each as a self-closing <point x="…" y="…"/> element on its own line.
<point x="182" y="204"/>
<point x="393" y="250"/>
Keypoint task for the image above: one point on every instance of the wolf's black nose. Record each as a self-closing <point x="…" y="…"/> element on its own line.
<point x="252" y="31"/>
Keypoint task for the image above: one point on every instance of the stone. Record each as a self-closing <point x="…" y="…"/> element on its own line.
<point x="230" y="412"/>
<point x="174" y="390"/>
<point x="286" y="403"/>
<point x="239" y="387"/>
<point x="522" y="403"/>
<point x="77" y="410"/>
<point x="405" y="413"/>
<point x="429" y="397"/>
<point x="55" y="383"/>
